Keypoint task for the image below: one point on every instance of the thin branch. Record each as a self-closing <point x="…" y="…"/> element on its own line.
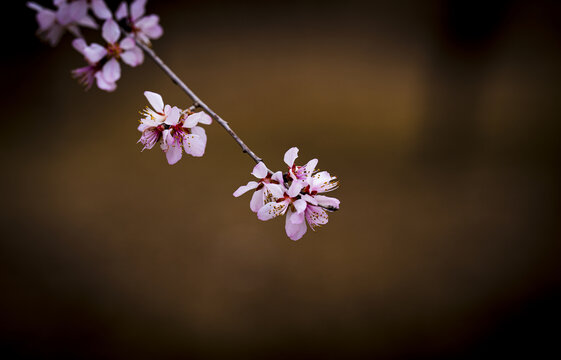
<point x="197" y="101"/>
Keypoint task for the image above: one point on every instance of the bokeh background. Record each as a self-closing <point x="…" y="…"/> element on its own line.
<point x="441" y="118"/>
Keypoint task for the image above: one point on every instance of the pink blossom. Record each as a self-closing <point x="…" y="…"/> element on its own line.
<point x="178" y="130"/>
<point x="104" y="60"/>
<point x="67" y="17"/>
<point x="269" y="186"/>
<point x="298" y="173"/>
<point x="142" y="27"/>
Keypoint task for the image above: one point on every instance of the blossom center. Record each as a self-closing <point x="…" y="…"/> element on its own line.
<point x="114" y="50"/>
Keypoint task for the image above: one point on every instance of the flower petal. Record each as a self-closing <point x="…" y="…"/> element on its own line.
<point x="147" y="21"/>
<point x="300" y="206"/>
<point x="245" y="188"/>
<point x="295" y="188"/>
<point x="45" y="19"/>
<point x="133" y="57"/>
<point x="290" y="156"/>
<point x="127" y="43"/>
<point x="316" y="216"/>
<point x="155" y="100"/>
<point x="94" y="52"/>
<point x="173" y="154"/>
<point x="194" y="119"/>
<point x="110" y="31"/>
<point x="276" y="190"/>
<point x="112" y="70"/>
<point x="100" y="9"/>
<point x="88" y="21"/>
<point x="271" y="210"/>
<point x="257" y="201"/>
<point x="153" y="32"/>
<point x="194" y="145"/>
<point x="122" y="11"/>
<point x="80" y="45"/>
<point x="103" y="84"/>
<point x="137" y="9"/>
<point x="327" y="201"/>
<point x="294" y="231"/>
<point x="260" y="170"/>
<point x="173" y="116"/>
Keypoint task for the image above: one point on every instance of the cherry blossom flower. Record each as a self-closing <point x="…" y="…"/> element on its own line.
<point x="269" y="185"/>
<point x="175" y="128"/>
<point x="142" y="27"/>
<point x="68" y="17"/>
<point x="298" y="173"/>
<point x="104" y="61"/>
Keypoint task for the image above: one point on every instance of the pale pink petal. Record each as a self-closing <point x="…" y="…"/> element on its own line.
<point x="153" y="32"/>
<point x="173" y="153"/>
<point x="310" y="199"/>
<point x="271" y="210"/>
<point x="326" y="201"/>
<point x="294" y="231"/>
<point x="308" y="169"/>
<point x="294" y="189"/>
<point x="173" y="116"/>
<point x="122" y="11"/>
<point x="276" y="190"/>
<point x="194" y="145"/>
<point x="34" y="6"/>
<point x="194" y="119"/>
<point x="300" y="205"/>
<point x="112" y="70"/>
<point x="110" y="31"/>
<point x="45" y="19"/>
<point x="257" y="201"/>
<point x="80" y="45"/>
<point x="54" y="34"/>
<point x="316" y="216"/>
<point x="133" y="57"/>
<point x="137" y="9"/>
<point x="100" y="9"/>
<point x="260" y="170"/>
<point x="155" y="100"/>
<point x="94" y="52"/>
<point x="78" y="9"/>
<point x="104" y="84"/>
<point x="245" y="188"/>
<point x="278" y="177"/>
<point x="88" y="21"/>
<point x="147" y="21"/>
<point x="197" y="130"/>
<point x="64" y="14"/>
<point x="290" y="156"/>
<point x="127" y="43"/>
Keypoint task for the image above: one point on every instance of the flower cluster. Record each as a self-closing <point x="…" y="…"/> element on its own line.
<point x="296" y="193"/>
<point x="103" y="60"/>
<point x="176" y="129"/>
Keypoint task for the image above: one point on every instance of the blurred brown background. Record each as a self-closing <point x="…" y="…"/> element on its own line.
<point x="441" y="119"/>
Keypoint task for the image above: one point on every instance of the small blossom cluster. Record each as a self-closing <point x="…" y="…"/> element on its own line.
<point x="103" y="60"/>
<point x="296" y="193"/>
<point x="177" y="130"/>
